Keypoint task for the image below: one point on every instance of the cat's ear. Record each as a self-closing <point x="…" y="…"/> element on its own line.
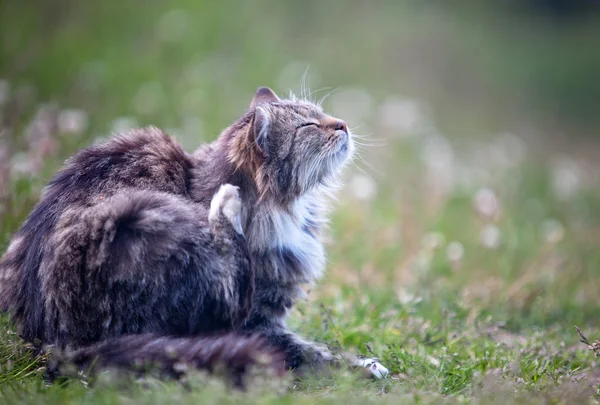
<point x="263" y="95"/>
<point x="261" y="117"/>
<point x="261" y="127"/>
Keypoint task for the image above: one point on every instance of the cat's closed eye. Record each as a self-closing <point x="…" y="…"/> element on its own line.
<point x="308" y="124"/>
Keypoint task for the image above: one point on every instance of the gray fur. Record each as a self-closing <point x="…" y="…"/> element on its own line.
<point x="136" y="237"/>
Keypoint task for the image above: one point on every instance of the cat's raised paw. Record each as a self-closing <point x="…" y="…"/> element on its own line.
<point x="227" y="201"/>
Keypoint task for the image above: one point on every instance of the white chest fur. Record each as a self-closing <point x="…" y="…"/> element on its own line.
<point x="273" y="230"/>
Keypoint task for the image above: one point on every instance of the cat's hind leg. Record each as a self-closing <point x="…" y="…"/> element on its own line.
<point x="142" y="262"/>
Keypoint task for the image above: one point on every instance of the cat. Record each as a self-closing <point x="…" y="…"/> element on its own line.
<point x="137" y="244"/>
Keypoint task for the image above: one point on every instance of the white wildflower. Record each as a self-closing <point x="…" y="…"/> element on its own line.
<point x="566" y="177"/>
<point x="363" y="187"/>
<point x="401" y="115"/>
<point x="486" y="203"/>
<point x="405" y="297"/>
<point x="455" y="251"/>
<point x="433" y="361"/>
<point x="72" y="121"/>
<point x="490" y="236"/>
<point x="438" y="157"/>
<point x="123" y="124"/>
<point x="433" y="240"/>
<point x="21" y="165"/>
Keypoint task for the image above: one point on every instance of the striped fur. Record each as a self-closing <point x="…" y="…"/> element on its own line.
<point x="135" y="237"/>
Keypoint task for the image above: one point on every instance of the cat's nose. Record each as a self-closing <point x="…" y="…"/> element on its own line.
<point x="341" y="126"/>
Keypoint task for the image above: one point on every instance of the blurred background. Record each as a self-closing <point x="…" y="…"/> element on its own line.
<point x="476" y="190"/>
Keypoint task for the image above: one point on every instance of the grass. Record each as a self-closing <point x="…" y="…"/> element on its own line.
<point x="463" y="262"/>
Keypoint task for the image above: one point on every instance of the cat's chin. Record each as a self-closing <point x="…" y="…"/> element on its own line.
<point x="343" y="153"/>
<point x="336" y="162"/>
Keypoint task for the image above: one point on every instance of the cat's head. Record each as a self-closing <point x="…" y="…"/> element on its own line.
<point x="300" y="147"/>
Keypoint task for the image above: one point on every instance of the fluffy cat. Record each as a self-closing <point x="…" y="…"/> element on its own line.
<point x="136" y="244"/>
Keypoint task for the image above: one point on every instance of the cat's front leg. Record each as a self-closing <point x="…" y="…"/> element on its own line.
<point x="309" y="355"/>
<point x="301" y="355"/>
<point x="237" y="278"/>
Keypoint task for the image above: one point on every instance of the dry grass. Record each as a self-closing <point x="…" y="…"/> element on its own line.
<point x="594" y="347"/>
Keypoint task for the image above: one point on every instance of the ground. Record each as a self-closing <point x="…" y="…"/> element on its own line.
<point x="462" y="252"/>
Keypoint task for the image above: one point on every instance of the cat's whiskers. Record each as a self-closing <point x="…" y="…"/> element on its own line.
<point x="367" y="139"/>
<point x="325" y="97"/>
<point x="363" y="144"/>
<point x="361" y="169"/>
<point x="352" y="129"/>
<point x="360" y="147"/>
<point x="303" y="87"/>
<point x="313" y="92"/>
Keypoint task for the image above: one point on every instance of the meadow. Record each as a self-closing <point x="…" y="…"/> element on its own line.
<point x="465" y="245"/>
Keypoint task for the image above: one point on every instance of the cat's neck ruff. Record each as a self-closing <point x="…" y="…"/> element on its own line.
<point x="295" y="230"/>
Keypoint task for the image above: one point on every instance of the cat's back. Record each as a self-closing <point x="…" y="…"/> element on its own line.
<point x="145" y="158"/>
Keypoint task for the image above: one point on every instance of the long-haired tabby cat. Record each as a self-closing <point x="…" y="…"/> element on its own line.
<point x="139" y="251"/>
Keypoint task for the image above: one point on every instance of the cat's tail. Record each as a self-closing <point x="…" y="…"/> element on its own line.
<point x="232" y="355"/>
